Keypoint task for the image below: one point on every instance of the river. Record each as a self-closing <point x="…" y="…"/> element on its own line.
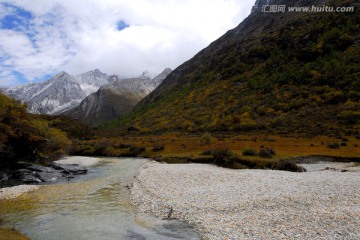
<point x="93" y="206"/>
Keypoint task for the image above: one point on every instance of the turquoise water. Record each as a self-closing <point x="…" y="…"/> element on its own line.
<point x="94" y="206"/>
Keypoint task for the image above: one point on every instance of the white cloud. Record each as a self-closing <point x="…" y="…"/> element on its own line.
<point x="77" y="36"/>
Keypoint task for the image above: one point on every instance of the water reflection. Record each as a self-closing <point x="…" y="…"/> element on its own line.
<point x="95" y="206"/>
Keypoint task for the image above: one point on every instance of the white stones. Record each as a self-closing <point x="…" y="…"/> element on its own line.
<point x="14" y="192"/>
<point x="252" y="204"/>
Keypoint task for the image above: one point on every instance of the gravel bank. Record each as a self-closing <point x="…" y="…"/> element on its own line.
<point x="14" y="192"/>
<point x="252" y="204"/>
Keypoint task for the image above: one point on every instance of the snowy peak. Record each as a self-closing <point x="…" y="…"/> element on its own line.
<point x="60" y="78"/>
<point x="92" y="77"/>
<point x="147" y="75"/>
<point x="59" y="93"/>
<point x="143" y="84"/>
<point x="91" y="81"/>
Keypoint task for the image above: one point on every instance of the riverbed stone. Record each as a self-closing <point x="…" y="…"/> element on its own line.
<point x="4" y="177"/>
<point x="27" y="178"/>
<point x="39" y="168"/>
<point x="56" y="166"/>
<point x="48" y="177"/>
<point x="74" y="169"/>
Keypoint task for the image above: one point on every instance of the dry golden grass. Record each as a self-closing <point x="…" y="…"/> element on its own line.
<point x="192" y="146"/>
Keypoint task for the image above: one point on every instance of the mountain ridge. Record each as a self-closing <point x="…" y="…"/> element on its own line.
<point x="282" y="72"/>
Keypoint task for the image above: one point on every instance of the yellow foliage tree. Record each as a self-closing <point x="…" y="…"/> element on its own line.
<point x="55" y="140"/>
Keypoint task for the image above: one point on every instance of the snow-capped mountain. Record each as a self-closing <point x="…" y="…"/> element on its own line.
<point x="64" y="91"/>
<point x="51" y="97"/>
<point x="91" y="81"/>
<point x="60" y="93"/>
<point x="147" y="75"/>
<point x="114" y="100"/>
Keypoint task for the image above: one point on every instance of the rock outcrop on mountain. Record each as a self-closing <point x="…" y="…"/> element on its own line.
<point x="291" y="72"/>
<point x="91" y="81"/>
<point x="116" y="99"/>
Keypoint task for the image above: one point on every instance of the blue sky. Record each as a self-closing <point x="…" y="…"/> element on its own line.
<point x="18" y="20"/>
<point x="40" y="38"/>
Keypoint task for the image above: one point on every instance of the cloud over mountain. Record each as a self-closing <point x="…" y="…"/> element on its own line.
<point x="41" y="38"/>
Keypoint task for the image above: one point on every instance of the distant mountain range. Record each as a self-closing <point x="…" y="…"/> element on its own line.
<point x="60" y="93"/>
<point x="93" y="96"/>
<point x="115" y="99"/>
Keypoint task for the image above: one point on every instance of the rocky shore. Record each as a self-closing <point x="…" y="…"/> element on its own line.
<point x="252" y="204"/>
<point x="30" y="173"/>
<point x="26" y="177"/>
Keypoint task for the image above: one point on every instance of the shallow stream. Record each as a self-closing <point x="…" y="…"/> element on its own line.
<point x="94" y="206"/>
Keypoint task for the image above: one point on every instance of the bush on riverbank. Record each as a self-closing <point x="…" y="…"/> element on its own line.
<point x="287" y="166"/>
<point x="24" y="137"/>
<point x="249" y="152"/>
<point x="105" y="147"/>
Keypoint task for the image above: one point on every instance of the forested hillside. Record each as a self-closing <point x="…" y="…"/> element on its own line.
<point x="282" y="73"/>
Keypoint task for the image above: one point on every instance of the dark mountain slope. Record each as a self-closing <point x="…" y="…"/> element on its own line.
<point x="104" y="105"/>
<point x="287" y="72"/>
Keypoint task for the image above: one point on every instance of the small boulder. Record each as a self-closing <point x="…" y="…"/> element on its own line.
<point x="56" y="166"/>
<point x="27" y="178"/>
<point x="39" y="168"/>
<point x="48" y="177"/>
<point x="23" y="171"/>
<point x="4" y="177"/>
<point x="73" y="169"/>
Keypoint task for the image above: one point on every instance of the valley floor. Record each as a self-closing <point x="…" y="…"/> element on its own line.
<point x="253" y="204"/>
<point x="185" y="148"/>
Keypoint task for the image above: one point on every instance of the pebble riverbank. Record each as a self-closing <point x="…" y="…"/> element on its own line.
<point x="252" y="204"/>
<point x="16" y="191"/>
